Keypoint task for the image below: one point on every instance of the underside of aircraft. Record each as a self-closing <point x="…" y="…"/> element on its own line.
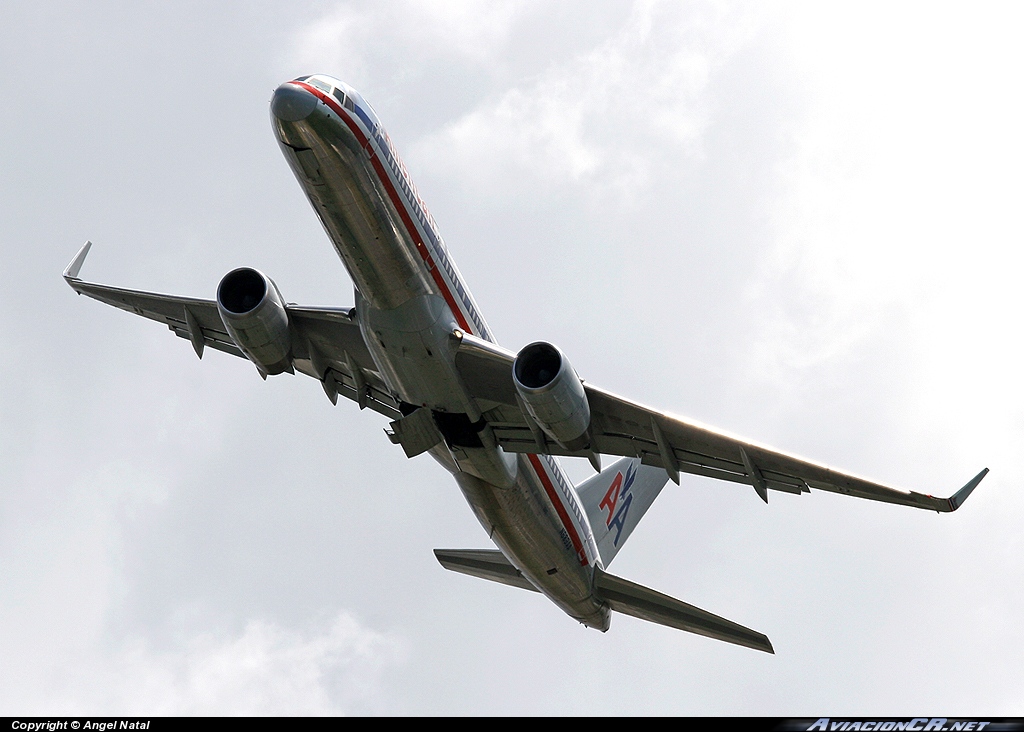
<point x="416" y="349"/>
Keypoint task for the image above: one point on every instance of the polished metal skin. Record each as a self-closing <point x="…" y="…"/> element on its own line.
<point x="416" y="349"/>
<point x="408" y="306"/>
<point x="553" y="394"/>
<point x="255" y="315"/>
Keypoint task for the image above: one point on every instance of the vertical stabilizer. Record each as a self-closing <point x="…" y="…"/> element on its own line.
<point x="616" y="499"/>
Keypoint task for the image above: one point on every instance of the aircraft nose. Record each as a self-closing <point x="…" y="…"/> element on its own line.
<point x="292" y="103"/>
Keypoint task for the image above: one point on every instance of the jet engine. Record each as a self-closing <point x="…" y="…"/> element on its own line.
<point x="553" y="394"/>
<point x="254" y="314"/>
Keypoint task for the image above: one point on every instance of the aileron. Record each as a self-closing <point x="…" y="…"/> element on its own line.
<point x="625" y="428"/>
<point x="330" y="333"/>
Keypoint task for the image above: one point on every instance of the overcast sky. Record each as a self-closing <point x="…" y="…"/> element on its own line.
<point x="801" y="224"/>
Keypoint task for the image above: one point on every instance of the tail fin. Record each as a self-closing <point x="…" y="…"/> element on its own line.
<point x="616" y="499"/>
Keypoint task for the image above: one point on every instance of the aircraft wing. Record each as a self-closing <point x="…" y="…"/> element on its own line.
<point x="330" y="337"/>
<point x="623" y="427"/>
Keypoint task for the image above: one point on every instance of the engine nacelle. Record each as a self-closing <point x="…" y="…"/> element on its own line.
<point x="253" y="312"/>
<point x="553" y="394"/>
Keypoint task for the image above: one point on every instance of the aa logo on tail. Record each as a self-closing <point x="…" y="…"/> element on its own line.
<point x="618" y="492"/>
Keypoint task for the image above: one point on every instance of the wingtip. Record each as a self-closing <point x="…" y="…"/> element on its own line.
<point x="958" y="498"/>
<point x="762" y="644"/>
<point x="71" y="273"/>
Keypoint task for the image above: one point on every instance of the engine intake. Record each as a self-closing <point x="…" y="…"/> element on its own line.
<point x="253" y="312"/>
<point x="553" y="394"/>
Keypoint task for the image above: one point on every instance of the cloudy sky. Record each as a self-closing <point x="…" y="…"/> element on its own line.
<point x="799" y="224"/>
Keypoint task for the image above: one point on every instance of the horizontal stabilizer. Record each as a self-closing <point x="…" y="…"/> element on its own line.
<point x="630" y="598"/>
<point x="620" y="595"/>
<point x="489" y="564"/>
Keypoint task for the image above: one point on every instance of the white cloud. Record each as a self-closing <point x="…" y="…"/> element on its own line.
<point x="347" y="38"/>
<point x="182" y="573"/>
<point x="334" y="41"/>
<point x="898" y="216"/>
<point x="266" y="669"/>
<point x="559" y="123"/>
<point x="566" y="124"/>
<point x="67" y="591"/>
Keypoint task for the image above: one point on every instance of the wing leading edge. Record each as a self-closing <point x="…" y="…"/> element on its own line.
<point x="623" y="427"/>
<point x="326" y="342"/>
<point x="328" y="345"/>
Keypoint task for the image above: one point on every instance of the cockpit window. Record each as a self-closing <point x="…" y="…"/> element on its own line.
<point x="322" y="86"/>
<point x="339" y="94"/>
<point x="302" y="78"/>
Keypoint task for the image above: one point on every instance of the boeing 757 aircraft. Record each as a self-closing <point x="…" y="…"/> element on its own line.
<point x="416" y="349"/>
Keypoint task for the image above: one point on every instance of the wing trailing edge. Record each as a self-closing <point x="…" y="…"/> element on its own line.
<point x="676" y="445"/>
<point x="327" y="343"/>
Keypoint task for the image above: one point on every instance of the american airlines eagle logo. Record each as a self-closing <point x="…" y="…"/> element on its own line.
<point x="618" y="492"/>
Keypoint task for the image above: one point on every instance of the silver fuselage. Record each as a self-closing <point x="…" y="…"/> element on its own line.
<point x="410" y="299"/>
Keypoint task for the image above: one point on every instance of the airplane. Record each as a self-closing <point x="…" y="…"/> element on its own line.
<point x="416" y="349"/>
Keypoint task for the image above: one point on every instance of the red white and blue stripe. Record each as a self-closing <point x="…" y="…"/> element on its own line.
<point x="418" y="221"/>
<point x="430" y="246"/>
